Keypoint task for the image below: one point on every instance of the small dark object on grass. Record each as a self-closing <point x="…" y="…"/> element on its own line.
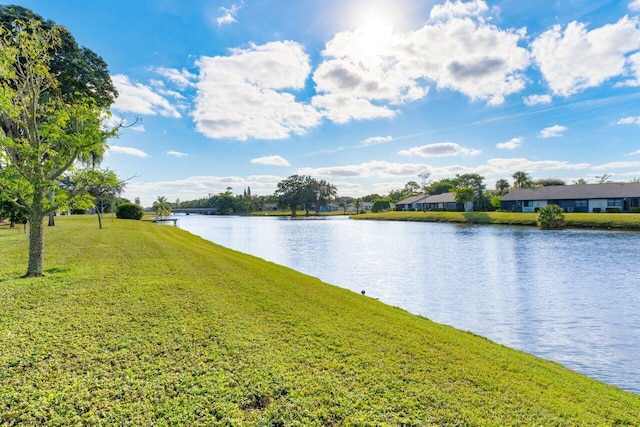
<point x="362" y="292"/>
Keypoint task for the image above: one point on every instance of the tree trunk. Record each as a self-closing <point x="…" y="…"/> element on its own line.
<point x="99" y="219"/>
<point x="36" y="244"/>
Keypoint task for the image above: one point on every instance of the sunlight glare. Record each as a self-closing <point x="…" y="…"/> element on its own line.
<point x="374" y="31"/>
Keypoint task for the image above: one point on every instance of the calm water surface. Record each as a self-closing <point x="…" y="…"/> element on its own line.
<point x="572" y="296"/>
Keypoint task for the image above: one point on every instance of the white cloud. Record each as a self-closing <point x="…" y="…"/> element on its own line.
<point x="574" y="59"/>
<point x="504" y="166"/>
<point x="382" y="68"/>
<point x="375" y="140"/>
<point x="634" y="6"/>
<point x="634" y="153"/>
<point x="553" y="131"/>
<point x="616" y="165"/>
<point x="127" y="150"/>
<point x="367" y="170"/>
<point x="182" y="78"/>
<point x="227" y="15"/>
<point x="243" y="95"/>
<point x="537" y="99"/>
<point x="271" y="160"/>
<point x="493" y="167"/>
<point x="512" y="144"/>
<point x="442" y="149"/>
<point x="176" y="153"/>
<point x="634" y="70"/>
<point x="458" y="9"/>
<point x="629" y="121"/>
<point x="137" y="128"/>
<point x="195" y="187"/>
<point x="342" y="109"/>
<point x="141" y="99"/>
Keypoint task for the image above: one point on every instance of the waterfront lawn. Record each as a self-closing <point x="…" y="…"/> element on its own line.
<point x="145" y="324"/>
<point x="581" y="220"/>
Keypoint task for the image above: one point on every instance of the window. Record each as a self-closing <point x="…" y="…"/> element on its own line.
<point x="582" y="204"/>
<point x="614" y="203"/>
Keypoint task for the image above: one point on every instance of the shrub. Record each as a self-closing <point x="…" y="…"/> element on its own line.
<point x="613" y="210"/>
<point x="380" y="205"/>
<point x="129" y="210"/>
<point x="597" y="210"/>
<point x="634" y="210"/>
<point x="550" y="217"/>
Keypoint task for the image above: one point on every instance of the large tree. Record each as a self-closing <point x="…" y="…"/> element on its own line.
<point x="53" y="100"/>
<point x="475" y="182"/>
<point x="292" y="192"/>
<point x="304" y="192"/>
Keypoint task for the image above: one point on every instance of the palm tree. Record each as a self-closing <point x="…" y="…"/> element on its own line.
<point x="161" y="207"/>
<point x="522" y="180"/>
<point x="502" y="186"/>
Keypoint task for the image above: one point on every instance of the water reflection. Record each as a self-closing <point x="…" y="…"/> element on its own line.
<point x="570" y="296"/>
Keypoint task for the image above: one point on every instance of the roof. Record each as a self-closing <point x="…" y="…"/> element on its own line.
<point x="411" y="200"/>
<point x="610" y="190"/>
<point x="442" y="198"/>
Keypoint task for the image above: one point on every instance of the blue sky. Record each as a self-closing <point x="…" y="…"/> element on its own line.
<point x="364" y="94"/>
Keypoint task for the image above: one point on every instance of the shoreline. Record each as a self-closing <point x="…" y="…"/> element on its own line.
<point x="596" y="221"/>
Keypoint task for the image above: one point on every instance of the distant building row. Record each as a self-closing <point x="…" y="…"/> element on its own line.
<point x="624" y="197"/>
<point x="438" y="202"/>
<point x="576" y="198"/>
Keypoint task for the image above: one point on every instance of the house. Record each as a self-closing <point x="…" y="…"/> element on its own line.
<point x="437" y="202"/>
<point x="446" y="202"/>
<point x="411" y="203"/>
<point x="616" y="196"/>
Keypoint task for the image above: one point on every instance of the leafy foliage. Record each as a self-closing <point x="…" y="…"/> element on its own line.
<point x="304" y="192"/>
<point x="550" y="217"/>
<point x="129" y="210"/>
<point x="502" y="186"/>
<point x="380" y="205"/>
<point x="161" y="206"/>
<point x="13" y="212"/>
<point x="495" y="201"/>
<point x="464" y="194"/>
<point x="548" y="182"/>
<point x="522" y="180"/>
<point x="51" y="114"/>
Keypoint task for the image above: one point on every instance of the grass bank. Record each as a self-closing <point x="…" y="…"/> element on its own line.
<point x="143" y="324"/>
<point x="578" y="220"/>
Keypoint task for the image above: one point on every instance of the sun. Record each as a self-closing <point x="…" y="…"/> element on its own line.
<point x="374" y="30"/>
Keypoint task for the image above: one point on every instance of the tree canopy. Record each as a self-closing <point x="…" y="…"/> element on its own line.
<point x="522" y="180"/>
<point x="304" y="192"/>
<point x="53" y="101"/>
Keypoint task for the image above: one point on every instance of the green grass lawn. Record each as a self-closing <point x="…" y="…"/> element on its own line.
<point x="145" y="324"/>
<point x="580" y="220"/>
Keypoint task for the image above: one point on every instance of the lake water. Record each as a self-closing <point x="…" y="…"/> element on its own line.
<point x="572" y="296"/>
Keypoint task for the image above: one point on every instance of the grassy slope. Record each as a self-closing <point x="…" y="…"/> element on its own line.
<point x="589" y="220"/>
<point x="143" y="324"/>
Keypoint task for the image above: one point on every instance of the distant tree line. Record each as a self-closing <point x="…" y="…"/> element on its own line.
<point x="304" y="193"/>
